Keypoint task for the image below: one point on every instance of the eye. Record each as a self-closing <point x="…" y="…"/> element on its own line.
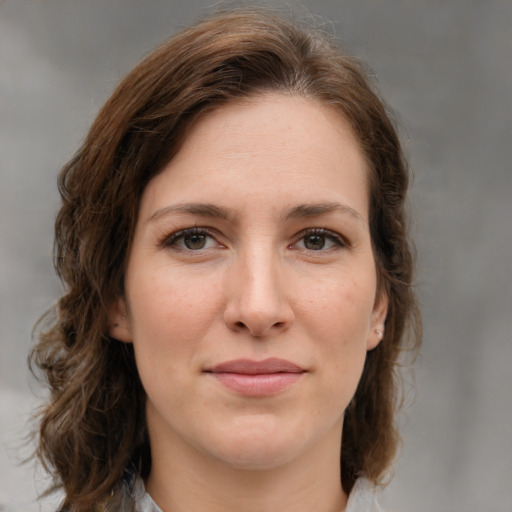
<point x="192" y="239"/>
<point x="319" y="240"/>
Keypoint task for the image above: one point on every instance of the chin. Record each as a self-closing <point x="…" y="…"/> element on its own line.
<point x="262" y="457"/>
<point x="259" y="446"/>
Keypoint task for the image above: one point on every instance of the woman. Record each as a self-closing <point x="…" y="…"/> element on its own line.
<point x="238" y="273"/>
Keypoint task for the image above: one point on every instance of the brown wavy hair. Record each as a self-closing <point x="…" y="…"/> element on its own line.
<point x="93" y="426"/>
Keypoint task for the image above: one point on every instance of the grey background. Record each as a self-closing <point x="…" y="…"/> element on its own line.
<point x="445" y="66"/>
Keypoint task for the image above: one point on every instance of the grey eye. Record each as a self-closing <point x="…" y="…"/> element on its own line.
<point x="194" y="241"/>
<point x="314" y="242"/>
<point x="319" y="239"/>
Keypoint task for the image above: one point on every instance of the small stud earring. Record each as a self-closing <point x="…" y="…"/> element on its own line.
<point x="379" y="332"/>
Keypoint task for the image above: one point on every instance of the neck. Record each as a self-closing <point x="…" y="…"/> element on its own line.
<point x="190" y="481"/>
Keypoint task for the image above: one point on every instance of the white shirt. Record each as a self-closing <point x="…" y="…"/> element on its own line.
<point x="362" y="498"/>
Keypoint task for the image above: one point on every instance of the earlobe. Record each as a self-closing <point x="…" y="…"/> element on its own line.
<point x="380" y="311"/>
<point x="119" y="323"/>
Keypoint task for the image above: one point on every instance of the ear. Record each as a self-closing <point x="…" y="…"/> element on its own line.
<point x="119" y="322"/>
<point x="378" y="319"/>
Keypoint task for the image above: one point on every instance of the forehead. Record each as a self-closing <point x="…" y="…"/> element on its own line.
<point x="271" y="148"/>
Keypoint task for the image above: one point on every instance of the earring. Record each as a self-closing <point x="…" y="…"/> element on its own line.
<point x="379" y="333"/>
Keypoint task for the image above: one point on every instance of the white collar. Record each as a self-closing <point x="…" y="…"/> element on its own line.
<point x="362" y="498"/>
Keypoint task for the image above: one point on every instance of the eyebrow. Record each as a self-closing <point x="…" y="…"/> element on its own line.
<point x="314" y="210"/>
<point x="201" y="209"/>
<point x="216" y="212"/>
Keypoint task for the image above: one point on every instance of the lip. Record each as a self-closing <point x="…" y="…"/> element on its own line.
<point x="257" y="378"/>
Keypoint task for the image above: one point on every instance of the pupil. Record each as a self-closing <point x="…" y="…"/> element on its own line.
<point x="314" y="242"/>
<point x="195" y="241"/>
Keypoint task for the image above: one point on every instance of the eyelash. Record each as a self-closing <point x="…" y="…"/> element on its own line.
<point x="328" y="236"/>
<point x="171" y="240"/>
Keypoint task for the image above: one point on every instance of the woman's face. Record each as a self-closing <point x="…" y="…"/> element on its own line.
<point x="250" y="291"/>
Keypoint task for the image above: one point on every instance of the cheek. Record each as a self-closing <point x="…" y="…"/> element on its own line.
<point x="339" y="309"/>
<point x="338" y="322"/>
<point x="169" y="313"/>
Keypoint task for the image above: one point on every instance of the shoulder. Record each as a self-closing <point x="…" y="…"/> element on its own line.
<point x="363" y="497"/>
<point x="132" y="496"/>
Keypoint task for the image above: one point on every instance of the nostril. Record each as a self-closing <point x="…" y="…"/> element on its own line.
<point x="242" y="325"/>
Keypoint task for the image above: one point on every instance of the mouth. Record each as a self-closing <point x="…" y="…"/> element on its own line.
<point x="257" y="378"/>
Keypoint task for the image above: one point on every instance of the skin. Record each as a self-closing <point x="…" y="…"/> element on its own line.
<point x="259" y="287"/>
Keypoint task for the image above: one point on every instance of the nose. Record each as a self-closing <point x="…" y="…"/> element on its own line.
<point x="258" y="298"/>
